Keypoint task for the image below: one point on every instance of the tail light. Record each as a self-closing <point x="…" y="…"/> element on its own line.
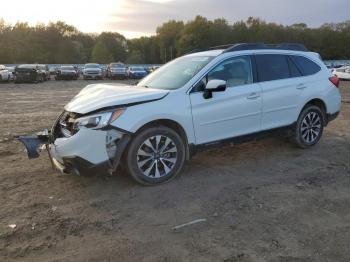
<point x="335" y="81"/>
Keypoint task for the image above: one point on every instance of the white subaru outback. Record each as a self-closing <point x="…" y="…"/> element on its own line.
<point x="243" y="92"/>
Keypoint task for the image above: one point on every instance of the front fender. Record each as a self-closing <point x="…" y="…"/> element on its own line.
<point x="168" y="108"/>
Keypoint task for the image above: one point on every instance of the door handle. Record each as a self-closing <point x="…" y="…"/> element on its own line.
<point x="253" y="96"/>
<point x="301" y="86"/>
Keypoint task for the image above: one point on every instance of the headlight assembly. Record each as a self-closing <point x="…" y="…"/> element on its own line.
<point x="97" y="121"/>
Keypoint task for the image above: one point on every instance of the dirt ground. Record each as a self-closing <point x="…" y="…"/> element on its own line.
<point x="262" y="201"/>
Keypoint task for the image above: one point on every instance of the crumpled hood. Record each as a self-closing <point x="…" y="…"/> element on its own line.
<point x="98" y="96"/>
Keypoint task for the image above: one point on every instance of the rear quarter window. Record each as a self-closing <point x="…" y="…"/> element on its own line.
<point x="272" y="67"/>
<point x="294" y="70"/>
<point x="305" y="65"/>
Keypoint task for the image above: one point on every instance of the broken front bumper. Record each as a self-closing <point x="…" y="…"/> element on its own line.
<point x="86" y="152"/>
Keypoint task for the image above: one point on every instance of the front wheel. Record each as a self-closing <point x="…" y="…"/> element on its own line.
<point x="309" y="127"/>
<point x="155" y="156"/>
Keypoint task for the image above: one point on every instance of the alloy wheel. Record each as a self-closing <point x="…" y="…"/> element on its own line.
<point x="311" y="127"/>
<point x="157" y="156"/>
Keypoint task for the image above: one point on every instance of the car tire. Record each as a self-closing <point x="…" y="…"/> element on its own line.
<point x="309" y="127"/>
<point x="155" y="156"/>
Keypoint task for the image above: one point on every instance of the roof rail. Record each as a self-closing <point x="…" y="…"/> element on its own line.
<point x="220" y="47"/>
<point x="253" y="46"/>
<point x="257" y="46"/>
<point x="209" y="48"/>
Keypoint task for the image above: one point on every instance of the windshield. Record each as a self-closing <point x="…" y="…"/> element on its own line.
<point x="67" y="67"/>
<point x="27" y="66"/>
<point x="117" y="66"/>
<point x="137" y="69"/>
<point x="92" y="66"/>
<point x="176" y="73"/>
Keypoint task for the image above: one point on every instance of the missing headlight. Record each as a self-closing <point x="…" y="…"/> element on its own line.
<point x="112" y="138"/>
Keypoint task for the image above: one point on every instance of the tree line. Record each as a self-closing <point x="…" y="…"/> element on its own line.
<point x="60" y="43"/>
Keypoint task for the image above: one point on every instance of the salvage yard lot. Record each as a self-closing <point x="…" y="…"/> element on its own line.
<point x="262" y="201"/>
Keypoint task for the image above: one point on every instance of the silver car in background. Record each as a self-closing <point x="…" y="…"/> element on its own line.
<point x="117" y="71"/>
<point x="92" y="71"/>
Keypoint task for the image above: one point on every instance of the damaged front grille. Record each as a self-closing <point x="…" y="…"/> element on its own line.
<point x="64" y="126"/>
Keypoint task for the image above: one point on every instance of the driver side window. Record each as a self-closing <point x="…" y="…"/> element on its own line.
<point x="235" y="71"/>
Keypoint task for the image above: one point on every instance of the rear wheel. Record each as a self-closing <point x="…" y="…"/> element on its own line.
<point x="309" y="127"/>
<point x="155" y="156"/>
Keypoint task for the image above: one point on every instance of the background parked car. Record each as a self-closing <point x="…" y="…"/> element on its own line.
<point x="45" y="72"/>
<point x="153" y="68"/>
<point x="5" y="75"/>
<point x="117" y="71"/>
<point x="11" y="69"/>
<point x="67" y="72"/>
<point x="342" y="72"/>
<point x="78" y="70"/>
<point x="136" y="72"/>
<point x="53" y="70"/>
<point x="92" y="71"/>
<point x="104" y="70"/>
<point x="28" y="74"/>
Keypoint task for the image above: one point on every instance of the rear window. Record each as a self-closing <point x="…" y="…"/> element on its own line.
<point x="272" y="67"/>
<point x="306" y="66"/>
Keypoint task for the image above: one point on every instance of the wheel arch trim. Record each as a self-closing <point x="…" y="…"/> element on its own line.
<point x="170" y="123"/>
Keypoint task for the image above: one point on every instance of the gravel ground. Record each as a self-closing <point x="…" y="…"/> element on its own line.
<point x="261" y="201"/>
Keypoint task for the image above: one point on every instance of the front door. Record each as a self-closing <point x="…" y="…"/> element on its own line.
<point x="233" y="112"/>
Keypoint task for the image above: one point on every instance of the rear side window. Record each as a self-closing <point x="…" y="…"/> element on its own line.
<point x="272" y="67"/>
<point x="306" y="66"/>
<point x="294" y="70"/>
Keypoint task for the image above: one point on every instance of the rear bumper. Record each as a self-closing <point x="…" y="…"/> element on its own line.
<point x="67" y="77"/>
<point x="118" y="74"/>
<point x="137" y="76"/>
<point x="92" y="77"/>
<point x="25" y="79"/>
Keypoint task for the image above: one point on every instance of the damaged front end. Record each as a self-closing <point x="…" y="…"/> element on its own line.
<point x="32" y="143"/>
<point x="81" y="144"/>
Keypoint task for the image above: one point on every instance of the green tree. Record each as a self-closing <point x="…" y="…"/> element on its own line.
<point x="62" y="43"/>
<point x="116" y="44"/>
<point x="135" y="57"/>
<point x="196" y="35"/>
<point x="100" y="54"/>
<point x="169" y="34"/>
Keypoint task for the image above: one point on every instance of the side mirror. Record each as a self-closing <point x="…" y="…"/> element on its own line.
<point x="214" y="85"/>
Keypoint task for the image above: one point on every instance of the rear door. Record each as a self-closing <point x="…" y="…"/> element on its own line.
<point x="280" y="90"/>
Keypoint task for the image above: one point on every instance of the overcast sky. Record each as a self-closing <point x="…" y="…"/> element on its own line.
<point x="141" y="17"/>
